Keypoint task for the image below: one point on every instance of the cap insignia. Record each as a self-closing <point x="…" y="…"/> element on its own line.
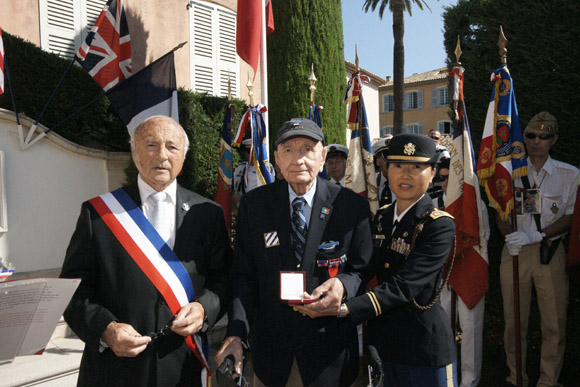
<point x="410" y="149"/>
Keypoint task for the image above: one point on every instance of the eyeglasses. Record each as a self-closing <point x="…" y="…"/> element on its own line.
<point x="443" y="177"/>
<point x="162" y="332"/>
<point x="542" y="136"/>
<point x="435" y="138"/>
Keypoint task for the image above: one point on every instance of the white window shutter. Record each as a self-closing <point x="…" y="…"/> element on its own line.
<point x="405" y="101"/>
<point x="213" y="57"/>
<point x="90" y="12"/>
<point x="421" y="129"/>
<point x="435" y="96"/>
<point x="60" y="32"/>
<point x="202" y="48"/>
<point x="420" y="99"/>
<point x="227" y="59"/>
<point x="385" y="103"/>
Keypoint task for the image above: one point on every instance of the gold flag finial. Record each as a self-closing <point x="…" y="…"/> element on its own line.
<point x="458" y="51"/>
<point x="312" y="79"/>
<point x="502" y="41"/>
<point x="356" y="56"/>
<point x="250" y="90"/>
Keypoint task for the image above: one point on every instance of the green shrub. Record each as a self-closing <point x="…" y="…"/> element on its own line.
<point x="35" y="74"/>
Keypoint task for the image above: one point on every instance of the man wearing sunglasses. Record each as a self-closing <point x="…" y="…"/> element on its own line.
<point x="538" y="242"/>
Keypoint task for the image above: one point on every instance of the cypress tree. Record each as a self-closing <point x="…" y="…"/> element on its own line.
<point x="307" y="32"/>
<point x="543" y="57"/>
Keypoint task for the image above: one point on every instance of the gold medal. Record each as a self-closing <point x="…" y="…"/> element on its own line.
<point x="555" y="208"/>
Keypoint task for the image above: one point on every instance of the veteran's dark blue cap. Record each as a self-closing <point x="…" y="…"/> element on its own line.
<point x="299" y="127"/>
<point x="412" y="148"/>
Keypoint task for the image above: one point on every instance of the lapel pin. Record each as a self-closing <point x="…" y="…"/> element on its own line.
<point x="324" y="211"/>
<point x="185" y="206"/>
<point x="271" y="239"/>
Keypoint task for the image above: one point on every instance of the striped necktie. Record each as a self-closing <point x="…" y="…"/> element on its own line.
<point x="299" y="228"/>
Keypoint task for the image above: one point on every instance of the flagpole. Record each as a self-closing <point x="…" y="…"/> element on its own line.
<point x="502" y="41"/>
<point x="27" y="142"/>
<point x="264" y="76"/>
<point x="13" y="100"/>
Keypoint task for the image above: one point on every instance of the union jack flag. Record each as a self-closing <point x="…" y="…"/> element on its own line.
<point x="106" y="52"/>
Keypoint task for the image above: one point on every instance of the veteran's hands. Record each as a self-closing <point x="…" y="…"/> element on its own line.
<point x="329" y="296"/>
<point x="232" y="345"/>
<point x="124" y="340"/>
<point x="189" y="319"/>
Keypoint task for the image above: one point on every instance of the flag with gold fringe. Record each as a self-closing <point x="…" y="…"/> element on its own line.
<point x="502" y="156"/>
<point x="360" y="170"/>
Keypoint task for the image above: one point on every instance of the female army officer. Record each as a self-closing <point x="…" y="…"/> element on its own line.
<point x="406" y="322"/>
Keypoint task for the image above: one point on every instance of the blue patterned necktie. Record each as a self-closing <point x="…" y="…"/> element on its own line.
<point x="299" y="228"/>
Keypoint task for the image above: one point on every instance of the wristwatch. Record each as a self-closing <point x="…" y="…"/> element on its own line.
<point x="343" y="311"/>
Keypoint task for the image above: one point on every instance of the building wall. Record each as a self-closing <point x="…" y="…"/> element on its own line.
<point x="21" y="18"/>
<point x="45" y="186"/>
<point x="156" y="26"/>
<point x="429" y="115"/>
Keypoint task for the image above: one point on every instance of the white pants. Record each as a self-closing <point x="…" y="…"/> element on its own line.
<point x="471" y="323"/>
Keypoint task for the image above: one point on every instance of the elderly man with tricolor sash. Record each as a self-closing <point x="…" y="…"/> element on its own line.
<point x="153" y="258"/>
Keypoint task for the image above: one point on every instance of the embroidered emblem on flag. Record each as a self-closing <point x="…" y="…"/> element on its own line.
<point x="271" y="239"/>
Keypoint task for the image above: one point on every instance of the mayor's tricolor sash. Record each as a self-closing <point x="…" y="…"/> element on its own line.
<point x="153" y="256"/>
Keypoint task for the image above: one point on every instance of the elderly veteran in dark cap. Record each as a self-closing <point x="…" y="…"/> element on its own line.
<point x="380" y="149"/>
<point x="538" y="240"/>
<point x="412" y="240"/>
<point x="336" y="155"/>
<point x="301" y="240"/>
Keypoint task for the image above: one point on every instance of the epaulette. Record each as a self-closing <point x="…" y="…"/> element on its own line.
<point x="436" y="214"/>
<point x="385" y="206"/>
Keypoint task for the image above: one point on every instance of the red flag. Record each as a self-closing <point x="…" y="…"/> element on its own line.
<point x="249" y="30"/>
<point x="106" y="52"/>
<point x="470" y="275"/>
<point x="1" y="63"/>
<point x="573" y="261"/>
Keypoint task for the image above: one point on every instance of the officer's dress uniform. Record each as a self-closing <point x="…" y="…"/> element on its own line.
<point x="558" y="183"/>
<point x="386" y="196"/>
<point x="406" y="336"/>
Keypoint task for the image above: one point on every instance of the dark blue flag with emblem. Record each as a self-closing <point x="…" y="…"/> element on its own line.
<point x="314" y="115"/>
<point x="254" y="121"/>
<point x="223" y="195"/>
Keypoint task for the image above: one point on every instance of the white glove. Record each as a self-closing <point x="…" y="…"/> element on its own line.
<point x="522" y="238"/>
<point x="513" y="250"/>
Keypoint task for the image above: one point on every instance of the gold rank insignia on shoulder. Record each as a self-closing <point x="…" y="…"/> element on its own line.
<point x="385" y="206"/>
<point x="438" y="214"/>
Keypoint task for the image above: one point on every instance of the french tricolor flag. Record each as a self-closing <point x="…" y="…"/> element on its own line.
<point x="151" y="91"/>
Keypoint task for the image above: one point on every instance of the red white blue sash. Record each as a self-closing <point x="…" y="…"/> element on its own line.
<point x="154" y="257"/>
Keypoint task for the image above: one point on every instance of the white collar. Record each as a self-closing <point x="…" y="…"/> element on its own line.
<point x="145" y="190"/>
<point x="308" y="196"/>
<point x="398" y="218"/>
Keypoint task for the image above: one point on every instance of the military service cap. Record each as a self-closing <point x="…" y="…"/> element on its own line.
<point x="412" y="148"/>
<point x="544" y="122"/>
<point x="337" y="150"/>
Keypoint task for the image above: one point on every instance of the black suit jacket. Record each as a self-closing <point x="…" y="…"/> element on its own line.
<point x="113" y="288"/>
<point x="326" y="348"/>
<point x="401" y="332"/>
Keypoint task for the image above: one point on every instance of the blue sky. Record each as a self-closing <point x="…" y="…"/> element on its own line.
<point x="374" y="37"/>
